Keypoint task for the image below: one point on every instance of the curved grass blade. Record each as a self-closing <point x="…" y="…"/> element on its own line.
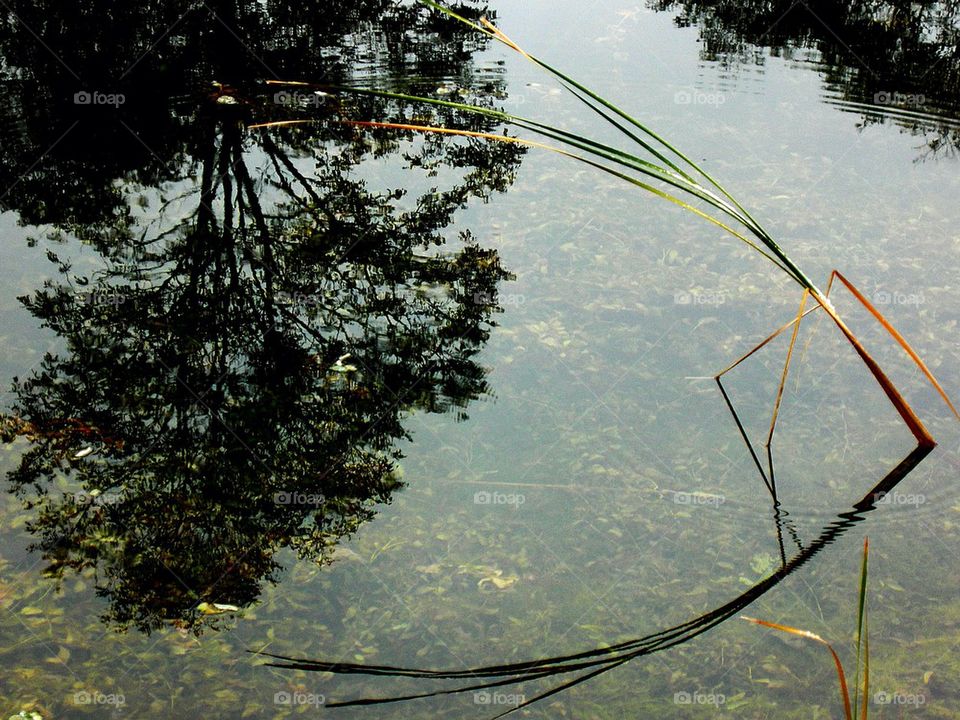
<point x="902" y="341"/>
<point x="600" y="104"/>
<point x="533" y="143"/>
<point x="492" y="31"/>
<point x="671" y="176"/>
<point x="841" y="676"/>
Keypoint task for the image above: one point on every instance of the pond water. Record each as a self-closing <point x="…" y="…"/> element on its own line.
<point x="433" y="403"/>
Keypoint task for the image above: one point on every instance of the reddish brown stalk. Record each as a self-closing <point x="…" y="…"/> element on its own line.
<point x="844" y="693"/>
<point x="920" y="432"/>
<point x="896" y="336"/>
<point x="786" y="366"/>
<point x="917" y="428"/>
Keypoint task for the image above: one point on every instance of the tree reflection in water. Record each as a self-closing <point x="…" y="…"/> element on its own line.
<point x="887" y="61"/>
<point x="234" y="376"/>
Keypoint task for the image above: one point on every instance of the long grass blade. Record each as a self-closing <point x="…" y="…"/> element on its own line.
<point x="899" y="338"/>
<point x="492" y="31"/>
<point x="866" y="668"/>
<point x="279" y="123"/>
<point x="841" y="676"/>
<point x="776" y="253"/>
<point x="861" y="628"/>
<point x="533" y="143"/>
<point x="671" y="176"/>
<point x="916" y="426"/>
<point x="786" y="368"/>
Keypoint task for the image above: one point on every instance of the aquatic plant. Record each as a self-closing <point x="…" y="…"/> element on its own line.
<point x="669" y="174"/>
<point x="599" y="660"/>
<point x="854" y="711"/>
<point x="670" y="167"/>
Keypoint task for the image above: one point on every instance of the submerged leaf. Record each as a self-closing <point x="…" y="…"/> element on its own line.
<point x="216" y="608"/>
<point x="500" y="583"/>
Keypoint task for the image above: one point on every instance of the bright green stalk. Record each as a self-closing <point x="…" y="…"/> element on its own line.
<point x="755" y="227"/>
<point x="681" y="181"/>
<point x="862" y="637"/>
<point x="673" y="178"/>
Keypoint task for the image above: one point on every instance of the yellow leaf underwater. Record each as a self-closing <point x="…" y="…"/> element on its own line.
<point x="499" y="582"/>
<point x="216" y="608"/>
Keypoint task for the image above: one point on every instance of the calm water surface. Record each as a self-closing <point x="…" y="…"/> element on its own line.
<point x="590" y="487"/>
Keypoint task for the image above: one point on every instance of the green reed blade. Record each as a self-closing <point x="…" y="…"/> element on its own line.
<point x="861" y="635"/>
<point x="623" y="176"/>
<point x="755" y="227"/>
<point x="681" y="182"/>
<point x="608" y="153"/>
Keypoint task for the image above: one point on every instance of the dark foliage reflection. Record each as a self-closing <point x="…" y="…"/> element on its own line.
<point x="887" y="61"/>
<point x="234" y="373"/>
